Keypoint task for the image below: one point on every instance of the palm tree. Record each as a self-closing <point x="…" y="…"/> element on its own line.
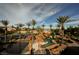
<point x="50" y="27"/>
<point x="28" y="24"/>
<point x="5" y="23"/>
<point x="33" y="23"/>
<point x="61" y="20"/>
<point x="78" y="26"/>
<point x="12" y="29"/>
<point x="43" y="26"/>
<point x="12" y="26"/>
<point x="19" y="27"/>
<point x="38" y="28"/>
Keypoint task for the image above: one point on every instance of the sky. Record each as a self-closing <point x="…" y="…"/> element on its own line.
<point x="43" y="13"/>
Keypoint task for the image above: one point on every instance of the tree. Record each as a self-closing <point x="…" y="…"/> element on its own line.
<point x="19" y="27"/>
<point x="78" y="26"/>
<point x="50" y="27"/>
<point x="12" y="26"/>
<point x="5" y="24"/>
<point x="43" y="26"/>
<point x="38" y="28"/>
<point x="33" y="23"/>
<point x="61" y="20"/>
<point x="28" y="24"/>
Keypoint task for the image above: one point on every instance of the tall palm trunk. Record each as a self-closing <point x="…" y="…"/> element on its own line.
<point x="50" y="28"/>
<point x="33" y="27"/>
<point x="5" y="33"/>
<point x="5" y="41"/>
<point x="28" y="28"/>
<point x="62" y="28"/>
<point x="61" y="31"/>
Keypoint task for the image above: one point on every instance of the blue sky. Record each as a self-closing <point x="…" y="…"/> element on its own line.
<point x="42" y="13"/>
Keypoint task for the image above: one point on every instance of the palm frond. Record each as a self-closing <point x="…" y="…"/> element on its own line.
<point x="4" y="22"/>
<point x="72" y="20"/>
<point x="20" y="25"/>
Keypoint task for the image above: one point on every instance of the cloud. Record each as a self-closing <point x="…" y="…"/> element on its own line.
<point x="73" y="23"/>
<point x="43" y="11"/>
<point x="24" y="13"/>
<point x="16" y="13"/>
